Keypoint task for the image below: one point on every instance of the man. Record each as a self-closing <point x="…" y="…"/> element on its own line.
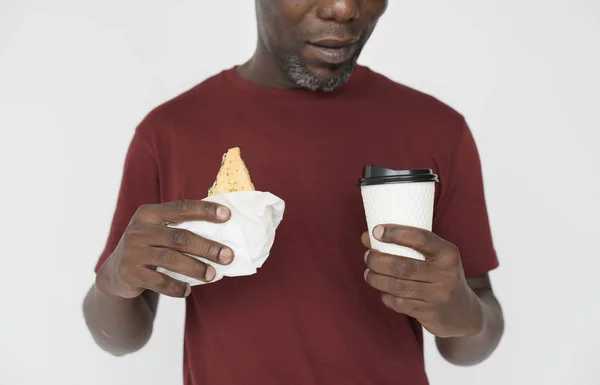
<point x="307" y="118"/>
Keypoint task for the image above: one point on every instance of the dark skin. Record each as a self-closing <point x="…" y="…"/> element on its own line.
<point x="120" y="308"/>
<point x="461" y="312"/>
<point x="289" y="26"/>
<point x="323" y="39"/>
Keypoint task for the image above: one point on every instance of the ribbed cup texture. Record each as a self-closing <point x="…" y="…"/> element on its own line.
<point x="409" y="204"/>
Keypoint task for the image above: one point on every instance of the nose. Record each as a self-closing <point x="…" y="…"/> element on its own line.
<point x="341" y="11"/>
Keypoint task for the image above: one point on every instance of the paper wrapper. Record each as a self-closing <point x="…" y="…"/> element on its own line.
<point x="409" y="204"/>
<point x="250" y="232"/>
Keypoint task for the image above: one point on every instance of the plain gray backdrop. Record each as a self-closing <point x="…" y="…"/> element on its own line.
<point x="76" y="77"/>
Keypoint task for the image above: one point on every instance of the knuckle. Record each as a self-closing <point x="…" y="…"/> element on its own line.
<point x="389" y="300"/>
<point x="134" y="231"/>
<point x="418" y="269"/>
<point x="174" y="288"/>
<point x="453" y="249"/>
<point x="183" y="205"/>
<point x="451" y="252"/>
<point x="450" y="258"/>
<point x="142" y="209"/>
<point x="398" y="303"/>
<point x="162" y="283"/>
<point x="165" y="257"/>
<point x="455" y="272"/>
<point x="129" y="239"/>
<point x="398" y="286"/>
<point x="403" y="268"/>
<point x="454" y="264"/>
<point x="423" y="238"/>
<point x="212" y="250"/>
<point x="181" y="238"/>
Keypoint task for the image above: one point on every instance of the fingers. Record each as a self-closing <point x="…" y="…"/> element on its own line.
<point x="421" y="291"/>
<point x="184" y="210"/>
<point x="187" y="242"/>
<point x="366" y="240"/>
<point x="411" y="307"/>
<point x="180" y="263"/>
<point x="399" y="267"/>
<point x="161" y="283"/>
<point x="423" y="241"/>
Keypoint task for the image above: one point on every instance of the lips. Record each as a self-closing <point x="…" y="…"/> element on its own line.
<point x="330" y="51"/>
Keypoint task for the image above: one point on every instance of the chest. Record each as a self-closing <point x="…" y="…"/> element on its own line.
<point x="301" y="155"/>
<point x="310" y="158"/>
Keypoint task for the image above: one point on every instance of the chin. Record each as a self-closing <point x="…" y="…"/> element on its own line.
<point x="318" y="77"/>
<point x="326" y="72"/>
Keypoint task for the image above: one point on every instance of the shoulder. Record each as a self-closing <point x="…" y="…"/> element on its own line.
<point x="187" y="106"/>
<point x="421" y="108"/>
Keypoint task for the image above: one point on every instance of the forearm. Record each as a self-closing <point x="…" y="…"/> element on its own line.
<point x="467" y="351"/>
<point x="119" y="326"/>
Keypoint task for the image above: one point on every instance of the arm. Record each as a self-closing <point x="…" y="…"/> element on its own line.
<point x="119" y="325"/>
<point x="462" y="219"/>
<point x="467" y="351"/>
<point x="120" y="308"/>
<point x="462" y="313"/>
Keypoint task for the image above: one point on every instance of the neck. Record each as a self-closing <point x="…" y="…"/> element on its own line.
<point x="264" y="70"/>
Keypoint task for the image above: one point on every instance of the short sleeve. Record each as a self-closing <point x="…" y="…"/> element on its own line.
<point x="139" y="186"/>
<point x="461" y="215"/>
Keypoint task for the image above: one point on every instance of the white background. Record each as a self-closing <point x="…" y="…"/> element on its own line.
<point x="77" y="76"/>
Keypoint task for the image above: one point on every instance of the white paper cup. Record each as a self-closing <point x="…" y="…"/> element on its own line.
<point x="403" y="197"/>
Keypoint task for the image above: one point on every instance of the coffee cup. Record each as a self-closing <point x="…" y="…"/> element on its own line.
<point x="403" y="197"/>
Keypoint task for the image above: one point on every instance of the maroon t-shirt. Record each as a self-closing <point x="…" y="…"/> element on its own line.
<point x="307" y="317"/>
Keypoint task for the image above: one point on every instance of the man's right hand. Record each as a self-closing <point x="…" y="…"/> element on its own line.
<point x="149" y="243"/>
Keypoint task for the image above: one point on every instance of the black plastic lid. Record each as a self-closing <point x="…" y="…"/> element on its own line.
<point x="375" y="175"/>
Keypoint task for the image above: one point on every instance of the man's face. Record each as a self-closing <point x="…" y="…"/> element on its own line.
<point x="317" y="42"/>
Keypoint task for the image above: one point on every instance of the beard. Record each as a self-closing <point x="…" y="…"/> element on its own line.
<point x="298" y="72"/>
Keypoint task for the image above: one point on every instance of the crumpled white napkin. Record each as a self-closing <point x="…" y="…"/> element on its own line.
<point x="250" y="232"/>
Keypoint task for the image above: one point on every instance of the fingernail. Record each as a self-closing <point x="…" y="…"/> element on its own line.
<point x="378" y="232"/>
<point x="222" y="213"/>
<point x="366" y="273"/>
<point x="367" y="255"/>
<point x="188" y="290"/>
<point x="226" y="256"/>
<point x="210" y="273"/>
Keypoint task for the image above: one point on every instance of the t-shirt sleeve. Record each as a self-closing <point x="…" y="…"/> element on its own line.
<point x="139" y="186"/>
<point x="461" y="215"/>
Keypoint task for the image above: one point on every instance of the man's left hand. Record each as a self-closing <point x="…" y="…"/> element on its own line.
<point x="433" y="291"/>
